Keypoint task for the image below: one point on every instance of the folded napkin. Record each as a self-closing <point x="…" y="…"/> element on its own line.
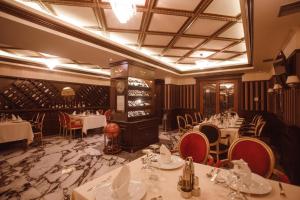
<point x="84" y="113"/>
<point x="19" y="118"/>
<point x="121" y="183"/>
<point x="74" y="113"/>
<point x="13" y="117"/>
<point x="165" y="154"/>
<point x="97" y="113"/>
<point x="242" y="169"/>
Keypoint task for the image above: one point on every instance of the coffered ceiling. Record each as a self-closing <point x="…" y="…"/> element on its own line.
<point x="188" y="35"/>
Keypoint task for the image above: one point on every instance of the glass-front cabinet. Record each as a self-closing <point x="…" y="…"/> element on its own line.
<point x="218" y="96"/>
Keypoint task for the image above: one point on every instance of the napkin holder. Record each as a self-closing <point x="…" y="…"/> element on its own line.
<point x="188" y="183"/>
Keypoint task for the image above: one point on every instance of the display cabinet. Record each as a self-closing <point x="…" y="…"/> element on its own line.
<point x="132" y="99"/>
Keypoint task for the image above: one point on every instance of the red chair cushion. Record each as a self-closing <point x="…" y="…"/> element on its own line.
<point x="194" y="145"/>
<point x="255" y="154"/>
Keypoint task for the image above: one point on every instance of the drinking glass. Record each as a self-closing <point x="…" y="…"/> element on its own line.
<point x="234" y="183"/>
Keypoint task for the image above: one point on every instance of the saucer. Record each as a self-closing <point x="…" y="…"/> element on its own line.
<point x="175" y="163"/>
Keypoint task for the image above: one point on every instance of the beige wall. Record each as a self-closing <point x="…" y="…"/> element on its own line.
<point x="21" y="71"/>
<point x="180" y="81"/>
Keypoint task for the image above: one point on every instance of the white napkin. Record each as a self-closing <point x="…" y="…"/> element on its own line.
<point x="242" y="168"/>
<point x="13" y="117"/>
<point x="19" y="118"/>
<point x="121" y="183"/>
<point x="74" y="113"/>
<point x="97" y="113"/>
<point x="165" y="154"/>
<point x="84" y="114"/>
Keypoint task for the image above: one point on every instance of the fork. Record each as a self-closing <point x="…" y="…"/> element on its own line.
<point x="282" y="193"/>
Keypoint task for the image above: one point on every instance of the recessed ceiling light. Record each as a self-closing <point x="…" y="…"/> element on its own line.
<point x="51" y="63"/>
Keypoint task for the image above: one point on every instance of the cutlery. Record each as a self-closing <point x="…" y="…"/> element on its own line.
<point x="282" y="193"/>
<point x="100" y="184"/>
<point x="209" y="174"/>
<point x="215" y="175"/>
<point x="157" y="198"/>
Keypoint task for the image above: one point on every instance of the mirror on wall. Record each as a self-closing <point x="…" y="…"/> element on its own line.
<point x="226" y="96"/>
<point x="209" y="99"/>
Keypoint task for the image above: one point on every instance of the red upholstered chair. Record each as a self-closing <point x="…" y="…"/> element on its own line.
<point x="213" y="134"/>
<point x="183" y="127"/>
<point x="72" y="125"/>
<point x="62" y="124"/>
<point x="256" y="153"/>
<point x="108" y="115"/>
<point x="196" y="145"/>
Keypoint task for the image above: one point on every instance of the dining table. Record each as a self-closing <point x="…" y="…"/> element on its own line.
<point x="166" y="185"/>
<point x="90" y="121"/>
<point x="14" y="130"/>
<point x="232" y="130"/>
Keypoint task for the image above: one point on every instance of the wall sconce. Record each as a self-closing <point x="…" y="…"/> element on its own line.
<point x="292" y="81"/>
<point x="277" y="87"/>
<point x="256" y="99"/>
<point x="270" y="90"/>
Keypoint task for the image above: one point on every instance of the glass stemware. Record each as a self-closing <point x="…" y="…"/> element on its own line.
<point x="234" y="182"/>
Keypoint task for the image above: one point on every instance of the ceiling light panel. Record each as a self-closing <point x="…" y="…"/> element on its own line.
<point x="157" y="39"/>
<point x="216" y="44"/>
<point x="240" y="47"/>
<point x="205" y="27"/>
<point x="189" y="60"/>
<point x="224" y="7"/>
<point x="124" y="38"/>
<point x="176" y="52"/>
<point x="223" y="55"/>
<point x="26" y="53"/>
<point x="202" y="54"/>
<point x="137" y="2"/>
<point x="188" y="5"/>
<point x="169" y="59"/>
<point x="112" y="21"/>
<point x="235" y="31"/>
<point x="151" y="50"/>
<point x="79" y="16"/>
<point x="188" y="42"/>
<point x="166" y="23"/>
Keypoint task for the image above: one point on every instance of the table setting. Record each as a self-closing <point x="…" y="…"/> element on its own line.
<point x="14" y="128"/>
<point x="147" y="178"/>
<point x="90" y="120"/>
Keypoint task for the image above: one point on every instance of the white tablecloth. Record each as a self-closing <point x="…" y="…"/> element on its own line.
<point x="91" y="121"/>
<point x="232" y="132"/>
<point x="13" y="131"/>
<point x="167" y="186"/>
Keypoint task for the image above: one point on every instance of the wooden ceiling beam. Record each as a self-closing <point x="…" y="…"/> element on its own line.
<point x="188" y="23"/>
<point x="99" y="13"/>
<point x="213" y="36"/>
<point x="146" y="22"/>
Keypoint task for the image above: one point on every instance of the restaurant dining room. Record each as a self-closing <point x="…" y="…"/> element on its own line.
<point x="149" y="99"/>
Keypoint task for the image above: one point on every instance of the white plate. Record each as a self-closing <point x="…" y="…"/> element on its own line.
<point x="175" y="163"/>
<point x="259" y="185"/>
<point x="137" y="191"/>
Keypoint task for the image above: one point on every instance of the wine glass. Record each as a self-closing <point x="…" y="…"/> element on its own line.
<point x="234" y="182"/>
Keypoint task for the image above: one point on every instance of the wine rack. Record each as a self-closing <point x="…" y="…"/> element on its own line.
<point x="28" y="94"/>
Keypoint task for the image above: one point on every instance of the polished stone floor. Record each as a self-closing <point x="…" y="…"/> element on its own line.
<point x="52" y="171"/>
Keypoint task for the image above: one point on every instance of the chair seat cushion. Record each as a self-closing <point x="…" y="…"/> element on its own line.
<point x="222" y="147"/>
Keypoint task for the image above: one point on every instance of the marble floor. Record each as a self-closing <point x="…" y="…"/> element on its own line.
<point x="52" y="171"/>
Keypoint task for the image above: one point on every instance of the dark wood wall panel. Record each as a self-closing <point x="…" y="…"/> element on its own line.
<point x="251" y="90"/>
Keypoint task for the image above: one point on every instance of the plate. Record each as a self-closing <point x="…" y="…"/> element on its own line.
<point x="175" y="163"/>
<point x="137" y="191"/>
<point x="259" y="185"/>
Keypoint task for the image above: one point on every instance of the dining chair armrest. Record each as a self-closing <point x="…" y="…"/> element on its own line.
<point x="225" y="137"/>
<point x="280" y="176"/>
<point x="210" y="160"/>
<point x="227" y="164"/>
